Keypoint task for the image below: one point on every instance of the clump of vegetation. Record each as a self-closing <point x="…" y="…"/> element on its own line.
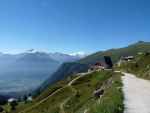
<point x="112" y="100"/>
<point x="140" y="66"/>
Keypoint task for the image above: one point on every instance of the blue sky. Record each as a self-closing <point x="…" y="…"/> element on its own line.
<point x="72" y="25"/>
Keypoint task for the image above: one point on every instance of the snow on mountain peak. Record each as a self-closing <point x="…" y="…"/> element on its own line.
<point x="79" y="54"/>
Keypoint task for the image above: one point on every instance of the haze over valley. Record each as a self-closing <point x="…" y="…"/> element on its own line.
<point x="74" y="56"/>
<point x="23" y="73"/>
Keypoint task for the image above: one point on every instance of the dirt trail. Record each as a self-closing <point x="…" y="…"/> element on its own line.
<point x="68" y="85"/>
<point x="80" y="76"/>
<point x="137" y="94"/>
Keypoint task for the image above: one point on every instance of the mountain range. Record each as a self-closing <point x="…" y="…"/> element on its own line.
<point x="26" y="71"/>
<point x="70" y="91"/>
<point x="82" y="65"/>
<point x="32" y="70"/>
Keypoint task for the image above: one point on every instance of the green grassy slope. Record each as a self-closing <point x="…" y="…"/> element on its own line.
<point x="82" y="65"/>
<point x="51" y="104"/>
<point x="65" y="70"/>
<point x="140" y="66"/>
<point x="112" y="101"/>
<point x="117" y="53"/>
<point x="78" y="96"/>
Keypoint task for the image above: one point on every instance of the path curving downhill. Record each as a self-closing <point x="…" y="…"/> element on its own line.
<point x="136" y="93"/>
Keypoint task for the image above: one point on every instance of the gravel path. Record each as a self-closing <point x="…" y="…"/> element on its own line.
<point x="137" y="94"/>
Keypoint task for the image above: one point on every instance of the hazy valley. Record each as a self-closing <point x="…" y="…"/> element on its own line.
<point x="23" y="73"/>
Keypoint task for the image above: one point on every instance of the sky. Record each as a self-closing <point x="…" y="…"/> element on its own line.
<point x="70" y="26"/>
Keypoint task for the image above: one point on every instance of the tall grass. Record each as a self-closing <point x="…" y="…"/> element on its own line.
<point x="112" y="100"/>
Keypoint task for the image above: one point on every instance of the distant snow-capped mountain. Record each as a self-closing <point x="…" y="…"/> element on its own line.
<point x="26" y="71"/>
<point x="79" y="54"/>
<point x="61" y="57"/>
